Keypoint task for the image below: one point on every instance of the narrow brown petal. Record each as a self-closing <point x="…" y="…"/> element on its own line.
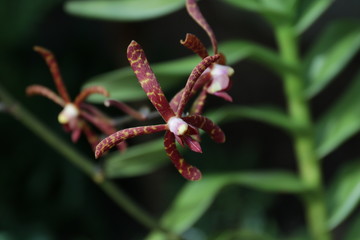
<point x="45" y="92"/>
<point x="193" y="43"/>
<point x="195" y="13"/>
<point x="207" y="125"/>
<point x="54" y="69"/>
<point x="88" y="91"/>
<point x="126" y="109"/>
<point x="124" y="134"/>
<point x="147" y="79"/>
<point x="186" y="170"/>
<point x="194" y="76"/>
<point x="198" y="104"/>
<point x="203" y="79"/>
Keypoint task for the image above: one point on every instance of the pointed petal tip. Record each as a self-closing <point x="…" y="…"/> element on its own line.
<point x="40" y="49"/>
<point x="191" y="173"/>
<point x="97" y="153"/>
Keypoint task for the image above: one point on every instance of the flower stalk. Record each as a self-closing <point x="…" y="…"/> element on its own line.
<point x="304" y="140"/>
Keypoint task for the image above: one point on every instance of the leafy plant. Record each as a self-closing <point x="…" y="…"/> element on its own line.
<point x="304" y="75"/>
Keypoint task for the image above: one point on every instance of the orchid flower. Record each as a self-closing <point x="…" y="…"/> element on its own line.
<point x="177" y="126"/>
<point x="77" y="113"/>
<point x="216" y="79"/>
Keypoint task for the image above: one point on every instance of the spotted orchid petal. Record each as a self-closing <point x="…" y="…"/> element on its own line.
<point x="124" y="134"/>
<point x="88" y="91"/>
<point x="203" y="79"/>
<point x="54" y="69"/>
<point x="186" y="170"/>
<point x="147" y="80"/>
<point x="193" y="43"/>
<point x="194" y="76"/>
<point x="199" y="103"/>
<point x="195" y="13"/>
<point x="45" y="92"/>
<point x="208" y="126"/>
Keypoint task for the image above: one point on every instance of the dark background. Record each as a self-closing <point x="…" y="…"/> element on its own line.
<point x="42" y="196"/>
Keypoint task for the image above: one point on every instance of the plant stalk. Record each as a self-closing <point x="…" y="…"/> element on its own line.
<point x="84" y="164"/>
<point x="304" y="141"/>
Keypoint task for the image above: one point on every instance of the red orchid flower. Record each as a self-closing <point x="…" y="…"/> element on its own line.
<point x="215" y="80"/>
<point x="76" y="114"/>
<point x="177" y="126"/>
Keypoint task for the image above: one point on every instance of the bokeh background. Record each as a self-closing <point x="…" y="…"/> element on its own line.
<point x="42" y="196"/>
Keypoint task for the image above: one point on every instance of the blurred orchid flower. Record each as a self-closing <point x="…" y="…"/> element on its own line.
<point x="75" y="114"/>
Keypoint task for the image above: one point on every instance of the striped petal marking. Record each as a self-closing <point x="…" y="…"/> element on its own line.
<point x="54" y="69"/>
<point x="195" y="13"/>
<point x="208" y="126"/>
<point x="186" y="170"/>
<point x="120" y="136"/>
<point x="147" y="80"/>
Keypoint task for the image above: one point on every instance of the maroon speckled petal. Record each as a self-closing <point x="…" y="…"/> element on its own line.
<point x="44" y="91"/>
<point x="194" y="76"/>
<point x="193" y="43"/>
<point x="88" y="91"/>
<point x="207" y="125"/>
<point x="54" y="69"/>
<point x="147" y="79"/>
<point x="195" y="13"/>
<point x="186" y="170"/>
<point x="198" y="104"/>
<point x="203" y="79"/>
<point x="124" y="134"/>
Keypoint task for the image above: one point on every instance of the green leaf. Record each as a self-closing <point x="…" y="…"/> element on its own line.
<point x="353" y="230"/>
<point x="136" y="160"/>
<point x="243" y="234"/>
<point x="123" y="85"/>
<point x="193" y="200"/>
<point x="341" y="121"/>
<point x="344" y="194"/>
<point x="276" y="11"/>
<point x="330" y="54"/>
<point x="267" y="114"/>
<point x="310" y="10"/>
<point x="123" y="10"/>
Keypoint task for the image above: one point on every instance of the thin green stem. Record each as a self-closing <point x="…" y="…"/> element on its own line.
<point x="115" y="193"/>
<point x="304" y="144"/>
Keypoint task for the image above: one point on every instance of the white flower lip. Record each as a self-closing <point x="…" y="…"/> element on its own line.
<point x="177" y="126"/>
<point x="220" y="78"/>
<point x="69" y="112"/>
<point x="219" y="69"/>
